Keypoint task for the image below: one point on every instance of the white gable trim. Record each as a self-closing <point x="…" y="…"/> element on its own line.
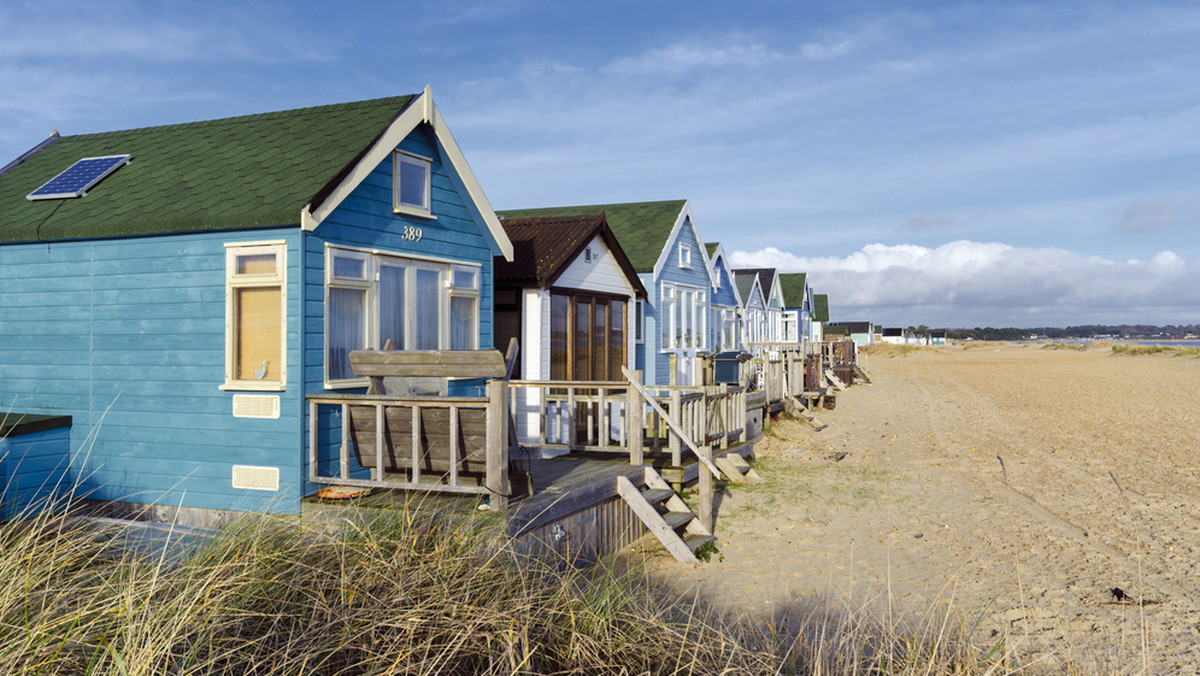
<point x="756" y="290"/>
<point x="423" y="110"/>
<point x="776" y="291"/>
<point x="685" y="216"/>
<point x="719" y="252"/>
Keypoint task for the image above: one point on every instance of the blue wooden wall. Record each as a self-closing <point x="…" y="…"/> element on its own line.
<point x="366" y="219"/>
<point x="721" y="297"/>
<point x="127" y="336"/>
<point x="33" y="469"/>
<point x="650" y="358"/>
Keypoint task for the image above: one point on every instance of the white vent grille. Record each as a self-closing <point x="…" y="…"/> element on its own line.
<point x="255" y="406"/>
<point x="256" y="478"/>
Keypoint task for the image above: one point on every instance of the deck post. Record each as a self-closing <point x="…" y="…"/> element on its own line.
<point x="674" y="442"/>
<point x="705" y="511"/>
<point x="312" y="439"/>
<point x="635" y="411"/>
<point x="572" y="416"/>
<point x="344" y="452"/>
<point x="379" y="440"/>
<point x="497" y="442"/>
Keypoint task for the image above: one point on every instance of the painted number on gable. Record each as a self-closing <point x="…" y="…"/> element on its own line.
<point x="411" y="234"/>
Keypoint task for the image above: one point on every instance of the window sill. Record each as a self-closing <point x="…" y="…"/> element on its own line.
<point x="413" y="211"/>
<point x="253" y="387"/>
<point x="347" y="384"/>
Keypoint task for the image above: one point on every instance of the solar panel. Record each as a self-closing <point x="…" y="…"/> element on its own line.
<point x="78" y="178"/>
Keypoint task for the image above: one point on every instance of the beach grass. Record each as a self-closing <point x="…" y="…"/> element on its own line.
<point x="1134" y="350"/>
<point x="412" y="590"/>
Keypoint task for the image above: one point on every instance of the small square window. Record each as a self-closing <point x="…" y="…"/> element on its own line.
<point x="464" y="278"/>
<point x="412" y="182"/>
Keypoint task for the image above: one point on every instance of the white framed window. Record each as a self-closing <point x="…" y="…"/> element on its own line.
<point x="683" y="316"/>
<point x="716" y="278"/>
<point x="464" y="307"/>
<point x="685" y="256"/>
<point x="639" y="321"/>
<point x="256" y="316"/>
<point x="372" y="297"/>
<point x="411" y="182"/>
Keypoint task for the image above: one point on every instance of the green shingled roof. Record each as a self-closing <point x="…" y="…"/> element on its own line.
<point x="711" y="248"/>
<point x="821" y="307"/>
<point x="642" y="228"/>
<point x="793" y="284"/>
<point x="745" y="284"/>
<point x="238" y="172"/>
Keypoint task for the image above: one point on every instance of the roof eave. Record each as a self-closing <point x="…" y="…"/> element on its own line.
<point x="421" y="109"/>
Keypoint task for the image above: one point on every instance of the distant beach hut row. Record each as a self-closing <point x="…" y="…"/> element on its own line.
<point x="189" y="294"/>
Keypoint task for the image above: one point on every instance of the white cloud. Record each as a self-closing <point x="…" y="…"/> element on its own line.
<point x="683" y="57"/>
<point x="816" y="51"/>
<point x="965" y="283"/>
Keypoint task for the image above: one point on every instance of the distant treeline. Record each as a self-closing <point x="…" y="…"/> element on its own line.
<point x="1123" y="331"/>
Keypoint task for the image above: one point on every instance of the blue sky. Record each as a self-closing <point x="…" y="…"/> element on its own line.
<point x="941" y="163"/>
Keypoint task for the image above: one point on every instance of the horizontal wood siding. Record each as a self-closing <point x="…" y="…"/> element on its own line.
<point x="33" y="468"/>
<point x="648" y="348"/>
<point x="127" y="336"/>
<point x="696" y="276"/>
<point x="603" y="274"/>
<point x="366" y="219"/>
<point x="586" y="535"/>
<point x="724" y="295"/>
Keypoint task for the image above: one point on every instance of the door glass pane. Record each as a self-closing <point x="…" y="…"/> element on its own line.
<point x="427" y="328"/>
<point x="583" y="341"/>
<point x="600" y="340"/>
<point x="465" y="278"/>
<point x="616" y="339"/>
<point x="391" y="306"/>
<point x="558" y="336"/>
<point x="347" y="330"/>
<point x="462" y="322"/>
<point x="349" y="267"/>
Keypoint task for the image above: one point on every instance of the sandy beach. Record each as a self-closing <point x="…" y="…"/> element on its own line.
<point x="1009" y="483"/>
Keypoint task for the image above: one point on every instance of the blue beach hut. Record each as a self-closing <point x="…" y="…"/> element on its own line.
<point x="181" y="293"/>
<point x="725" y="333"/>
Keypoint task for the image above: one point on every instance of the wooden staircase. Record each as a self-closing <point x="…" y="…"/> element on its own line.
<point x="834" y="380"/>
<point x="862" y="373"/>
<point x="736" y="469"/>
<point x="666" y="515"/>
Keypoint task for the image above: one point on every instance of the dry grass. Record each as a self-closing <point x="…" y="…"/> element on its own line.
<point x="1134" y="350"/>
<point x="408" y="591"/>
<point x="892" y="350"/>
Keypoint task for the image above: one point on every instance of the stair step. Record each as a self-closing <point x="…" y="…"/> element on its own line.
<point x="694" y="542"/>
<point x="677" y="520"/>
<point x="656" y="495"/>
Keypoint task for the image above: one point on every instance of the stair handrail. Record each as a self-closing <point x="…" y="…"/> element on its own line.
<point x="672" y="424"/>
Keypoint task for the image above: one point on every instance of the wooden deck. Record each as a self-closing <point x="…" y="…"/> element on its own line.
<point x="574" y="509"/>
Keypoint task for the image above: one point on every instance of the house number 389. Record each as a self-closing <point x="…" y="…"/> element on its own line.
<point x="411" y="234"/>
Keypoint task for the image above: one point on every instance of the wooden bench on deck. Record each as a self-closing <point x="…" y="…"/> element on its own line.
<point x="439" y="443"/>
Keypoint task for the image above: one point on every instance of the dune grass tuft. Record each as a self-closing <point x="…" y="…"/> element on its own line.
<point x="414" y="590"/>
<point x="1134" y="350"/>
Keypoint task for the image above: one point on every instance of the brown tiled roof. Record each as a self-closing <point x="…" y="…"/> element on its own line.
<point x="545" y="247"/>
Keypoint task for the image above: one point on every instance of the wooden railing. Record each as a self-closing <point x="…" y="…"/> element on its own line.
<point x="438" y="444"/>
<point x="572" y="415"/>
